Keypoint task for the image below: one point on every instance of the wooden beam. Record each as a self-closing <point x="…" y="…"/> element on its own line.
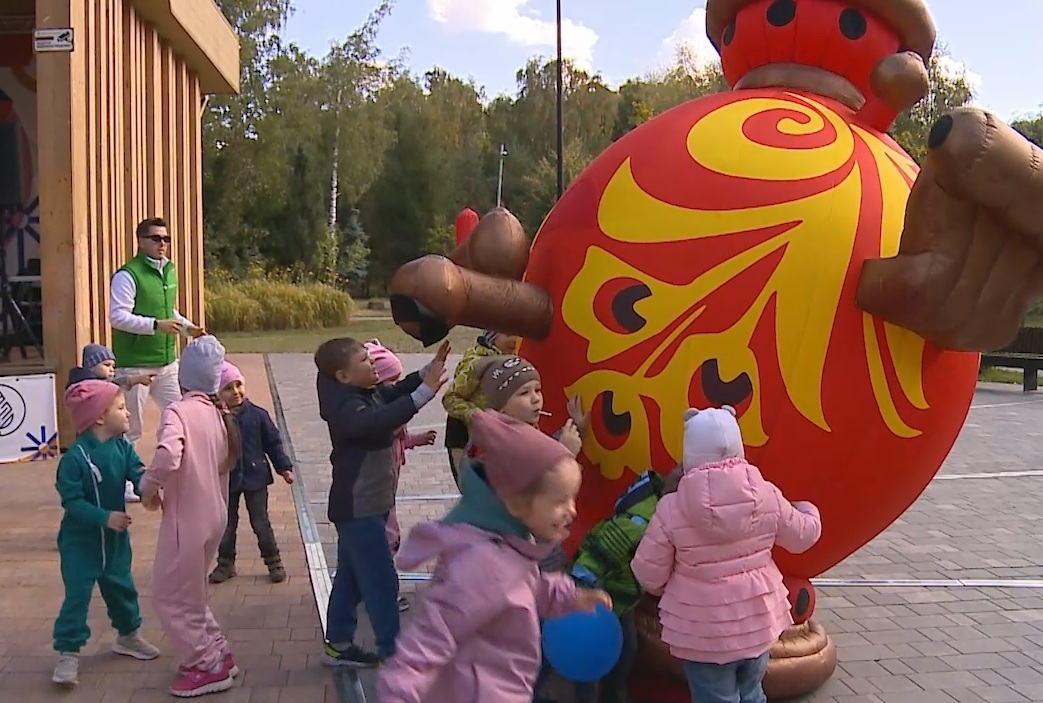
<point x="61" y="113"/>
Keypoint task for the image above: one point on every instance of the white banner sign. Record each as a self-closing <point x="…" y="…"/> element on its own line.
<point x="28" y="418"/>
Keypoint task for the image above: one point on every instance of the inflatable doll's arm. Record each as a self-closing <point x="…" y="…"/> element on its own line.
<point x="170" y="446"/>
<point x="653" y="563"/>
<point x="799" y="525"/>
<point x="970" y="262"/>
<point x="555" y="595"/>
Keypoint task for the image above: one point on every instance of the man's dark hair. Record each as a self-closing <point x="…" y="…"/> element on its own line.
<point x="334" y="355"/>
<point x="143" y="228"/>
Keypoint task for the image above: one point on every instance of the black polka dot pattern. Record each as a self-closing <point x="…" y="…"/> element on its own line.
<point x="852" y="24"/>
<point x="781" y="12"/>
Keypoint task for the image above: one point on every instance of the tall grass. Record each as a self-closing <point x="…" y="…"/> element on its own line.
<point x="258" y="302"/>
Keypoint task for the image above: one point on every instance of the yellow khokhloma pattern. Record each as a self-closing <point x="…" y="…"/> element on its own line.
<point x="807" y="282"/>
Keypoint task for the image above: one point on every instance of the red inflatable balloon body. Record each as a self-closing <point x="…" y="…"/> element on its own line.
<point x="711" y="257"/>
<point x="466" y="221"/>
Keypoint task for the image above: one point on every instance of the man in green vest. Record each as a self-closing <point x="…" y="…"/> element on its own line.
<point x="145" y="323"/>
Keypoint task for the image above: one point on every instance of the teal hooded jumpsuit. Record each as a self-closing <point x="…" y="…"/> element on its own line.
<point x="91" y="480"/>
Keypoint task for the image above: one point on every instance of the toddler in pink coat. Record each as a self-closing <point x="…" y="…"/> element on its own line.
<point x="476" y="635"/>
<point x="707" y="551"/>
<point x="389" y="372"/>
<point x="196" y="449"/>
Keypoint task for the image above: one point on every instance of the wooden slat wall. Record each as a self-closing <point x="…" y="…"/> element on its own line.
<point x="129" y="147"/>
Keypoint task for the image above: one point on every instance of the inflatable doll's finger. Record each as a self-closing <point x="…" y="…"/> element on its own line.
<point x="978" y="158"/>
<point x="497" y="246"/>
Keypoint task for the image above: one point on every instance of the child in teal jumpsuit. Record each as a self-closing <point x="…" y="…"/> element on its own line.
<point x="93" y="541"/>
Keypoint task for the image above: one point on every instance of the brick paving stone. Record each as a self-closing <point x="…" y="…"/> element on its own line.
<point x="895" y="644"/>
<point x="272" y="628"/>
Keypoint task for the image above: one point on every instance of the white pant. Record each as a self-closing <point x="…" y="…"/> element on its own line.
<point x="164" y="390"/>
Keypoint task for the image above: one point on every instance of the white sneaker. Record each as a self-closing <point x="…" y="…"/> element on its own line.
<point x="129" y="495"/>
<point x="134" y="645"/>
<point x="67" y="670"/>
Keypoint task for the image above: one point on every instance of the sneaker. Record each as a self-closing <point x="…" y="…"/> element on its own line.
<point x="66" y="671"/>
<point x="224" y="571"/>
<point x="352" y="657"/>
<point x="276" y="571"/>
<point x="403" y="604"/>
<point x="136" y="646"/>
<point x="129" y="496"/>
<point x="228" y="663"/>
<point x="190" y="684"/>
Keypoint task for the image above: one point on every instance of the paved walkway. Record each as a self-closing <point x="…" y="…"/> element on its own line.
<point x="931" y="640"/>
<point x="274" y="629"/>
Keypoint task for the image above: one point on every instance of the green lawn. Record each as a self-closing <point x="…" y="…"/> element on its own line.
<point x="362" y="328"/>
<point x="378" y="324"/>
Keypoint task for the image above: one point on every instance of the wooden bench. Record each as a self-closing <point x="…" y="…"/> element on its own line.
<point x="1025" y="353"/>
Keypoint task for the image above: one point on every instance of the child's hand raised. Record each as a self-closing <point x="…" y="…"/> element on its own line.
<point x="588" y="599"/>
<point x="118" y="521"/>
<point x="570" y="437"/>
<point x="575" y="408"/>
<point x="436" y="376"/>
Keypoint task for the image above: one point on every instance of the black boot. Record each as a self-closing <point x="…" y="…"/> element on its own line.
<point x="224" y="571"/>
<point x="276" y="571"/>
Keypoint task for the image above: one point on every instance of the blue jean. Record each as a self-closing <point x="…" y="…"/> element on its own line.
<point x="738" y="682"/>
<point x="365" y="575"/>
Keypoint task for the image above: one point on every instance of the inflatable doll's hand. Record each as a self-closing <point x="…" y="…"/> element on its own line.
<point x="971" y="258"/>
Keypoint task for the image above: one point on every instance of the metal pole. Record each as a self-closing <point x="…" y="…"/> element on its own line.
<point x="561" y="111"/>
<point x="499" y="179"/>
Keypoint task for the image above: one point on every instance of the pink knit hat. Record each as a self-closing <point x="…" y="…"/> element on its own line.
<point x="230" y="373"/>
<point x="515" y="454"/>
<point x="88" y="400"/>
<point x="386" y="363"/>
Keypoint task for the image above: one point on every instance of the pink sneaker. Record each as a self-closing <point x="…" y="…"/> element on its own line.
<point x="200" y="683"/>
<point x="228" y="662"/>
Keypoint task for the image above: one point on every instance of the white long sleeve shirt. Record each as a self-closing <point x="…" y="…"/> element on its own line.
<point x="122" y="292"/>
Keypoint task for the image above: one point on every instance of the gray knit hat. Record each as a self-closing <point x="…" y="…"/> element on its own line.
<point x="200" y="367"/>
<point x="94" y="354"/>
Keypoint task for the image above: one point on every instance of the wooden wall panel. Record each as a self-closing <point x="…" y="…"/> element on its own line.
<point x="125" y="110"/>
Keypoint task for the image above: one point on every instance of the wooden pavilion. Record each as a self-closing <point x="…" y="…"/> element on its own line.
<point x="99" y="129"/>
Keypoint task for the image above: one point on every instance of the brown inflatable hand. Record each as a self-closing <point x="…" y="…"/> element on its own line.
<point x="971" y="258"/>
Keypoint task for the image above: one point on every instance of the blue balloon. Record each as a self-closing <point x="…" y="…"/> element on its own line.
<point x="583" y="646"/>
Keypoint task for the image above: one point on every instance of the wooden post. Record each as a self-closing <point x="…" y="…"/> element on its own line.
<point x="61" y="115"/>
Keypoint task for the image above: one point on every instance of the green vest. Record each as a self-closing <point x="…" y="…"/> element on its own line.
<point x="155" y="297"/>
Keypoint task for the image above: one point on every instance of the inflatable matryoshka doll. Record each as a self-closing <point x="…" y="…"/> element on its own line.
<point x="712" y="255"/>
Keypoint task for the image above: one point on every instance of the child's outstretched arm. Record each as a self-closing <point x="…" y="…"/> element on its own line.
<point x="653" y="563"/>
<point x="555" y="595"/>
<point x="455" y="608"/>
<point x="410" y="383"/>
<point x="271" y="442"/>
<point x="170" y="446"/>
<point x="70" y="482"/>
<point x="799" y="524"/>
<point x="135" y="466"/>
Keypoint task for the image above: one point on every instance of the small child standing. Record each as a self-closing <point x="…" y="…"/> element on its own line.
<point x="476" y="636"/>
<point x="260" y="443"/>
<point x="708" y="552"/>
<point x="463" y="398"/>
<point x="389" y="372"/>
<point x="93" y="541"/>
<point x="196" y="449"/>
<point x="363" y="417"/>
<point x="98" y="361"/>
<point x="603" y="561"/>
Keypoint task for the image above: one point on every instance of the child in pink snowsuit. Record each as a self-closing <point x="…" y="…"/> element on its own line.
<point x="389" y="371"/>
<point x="476" y="635"/>
<point x="196" y="448"/>
<point x="707" y="551"/>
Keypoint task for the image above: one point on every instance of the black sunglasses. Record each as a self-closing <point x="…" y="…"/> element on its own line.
<point x="158" y="239"/>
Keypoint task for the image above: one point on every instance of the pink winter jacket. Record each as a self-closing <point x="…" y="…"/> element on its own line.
<point x="475" y="637"/>
<point x="708" y="552"/>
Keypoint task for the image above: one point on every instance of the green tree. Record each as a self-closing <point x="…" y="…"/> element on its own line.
<point x="353" y="260"/>
<point x="1031" y="129"/>
<point x="947" y="91"/>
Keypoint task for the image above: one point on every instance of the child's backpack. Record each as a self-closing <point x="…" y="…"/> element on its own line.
<point x="604" y="556"/>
